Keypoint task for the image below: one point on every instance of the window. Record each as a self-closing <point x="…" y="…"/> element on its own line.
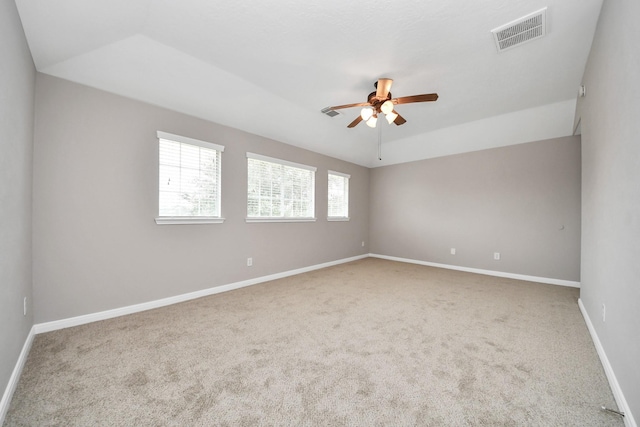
<point x="189" y="180"/>
<point x="338" y="196"/>
<point x="279" y="190"/>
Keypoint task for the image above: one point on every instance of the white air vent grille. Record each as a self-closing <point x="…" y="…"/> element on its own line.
<point x="329" y="112"/>
<point x="527" y="28"/>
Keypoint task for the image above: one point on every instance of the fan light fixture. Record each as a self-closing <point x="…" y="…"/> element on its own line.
<point x="369" y="115"/>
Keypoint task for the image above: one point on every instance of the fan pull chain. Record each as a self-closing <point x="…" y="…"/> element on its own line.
<point x="379" y="142"/>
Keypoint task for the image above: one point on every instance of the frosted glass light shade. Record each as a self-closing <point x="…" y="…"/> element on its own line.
<point x="366" y="113"/>
<point x="391" y="117"/>
<point x="372" y="121"/>
<point x="387" y="107"/>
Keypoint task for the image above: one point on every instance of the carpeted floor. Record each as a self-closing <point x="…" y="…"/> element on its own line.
<point x="369" y="343"/>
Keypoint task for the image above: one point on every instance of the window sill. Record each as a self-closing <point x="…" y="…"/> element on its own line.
<point x="172" y="220"/>
<point x="281" y="219"/>
<point x="338" y="218"/>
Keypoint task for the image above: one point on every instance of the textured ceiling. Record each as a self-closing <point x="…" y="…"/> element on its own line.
<point x="270" y="66"/>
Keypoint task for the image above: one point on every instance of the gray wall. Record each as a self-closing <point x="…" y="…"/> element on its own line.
<point x="610" y="122"/>
<point x="96" y="245"/>
<point x="514" y="200"/>
<point x="17" y="82"/>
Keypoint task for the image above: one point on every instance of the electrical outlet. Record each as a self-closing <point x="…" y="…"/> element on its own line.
<point x="604" y="312"/>
<point x="496" y="256"/>
<point x="249" y="262"/>
<point x="363" y="243"/>
<point x="24" y="306"/>
<point x="453" y="251"/>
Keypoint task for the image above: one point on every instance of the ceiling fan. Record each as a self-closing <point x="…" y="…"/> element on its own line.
<point x="381" y="102"/>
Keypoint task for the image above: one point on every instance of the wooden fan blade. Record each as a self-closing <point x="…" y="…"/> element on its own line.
<point x="360" y="104"/>
<point x="416" y="98"/>
<point x="355" y="122"/>
<point x="383" y="87"/>
<point x="399" y="120"/>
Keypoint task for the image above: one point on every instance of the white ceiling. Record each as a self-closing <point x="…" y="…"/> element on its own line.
<point x="268" y="67"/>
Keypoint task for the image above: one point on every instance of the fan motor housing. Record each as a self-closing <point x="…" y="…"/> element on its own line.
<point x="375" y="102"/>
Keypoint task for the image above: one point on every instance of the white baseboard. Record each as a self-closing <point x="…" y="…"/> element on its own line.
<point x="116" y="312"/>
<point x="122" y="311"/>
<point x="623" y="406"/>
<point x="15" y="376"/>
<point x="537" y="279"/>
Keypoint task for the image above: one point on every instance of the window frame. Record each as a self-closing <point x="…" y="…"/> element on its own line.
<point x="347" y="178"/>
<point x="288" y="163"/>
<point x="174" y="220"/>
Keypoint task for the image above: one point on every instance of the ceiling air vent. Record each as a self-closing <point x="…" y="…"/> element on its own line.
<point x="329" y="112"/>
<point x="525" y="29"/>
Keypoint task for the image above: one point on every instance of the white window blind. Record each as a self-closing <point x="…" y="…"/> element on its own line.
<point x="279" y="189"/>
<point x="338" y="195"/>
<point x="189" y="178"/>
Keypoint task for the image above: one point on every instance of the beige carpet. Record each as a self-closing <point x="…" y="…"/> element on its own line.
<point x="369" y="343"/>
